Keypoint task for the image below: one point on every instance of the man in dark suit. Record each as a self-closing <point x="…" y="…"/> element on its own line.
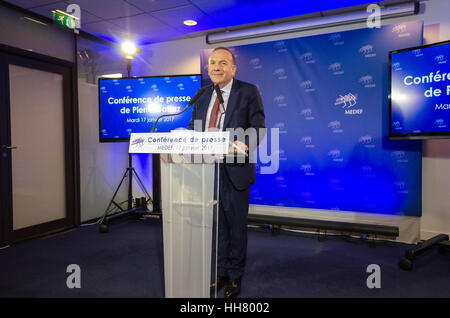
<point x="243" y="108"/>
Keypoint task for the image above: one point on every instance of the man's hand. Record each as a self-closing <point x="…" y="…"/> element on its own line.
<point x="239" y="147"/>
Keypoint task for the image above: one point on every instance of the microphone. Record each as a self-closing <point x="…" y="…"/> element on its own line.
<point x="192" y="101"/>
<point x="221" y="102"/>
<point x="219" y="94"/>
<point x="197" y="95"/>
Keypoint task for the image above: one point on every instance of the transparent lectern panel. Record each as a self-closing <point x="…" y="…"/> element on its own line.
<point x="189" y="222"/>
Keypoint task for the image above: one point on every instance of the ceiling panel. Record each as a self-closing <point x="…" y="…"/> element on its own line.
<point x="162" y="20"/>
<point x="286" y="8"/>
<point x="146" y="28"/>
<point x="140" y="22"/>
<point x="155" y="5"/>
<point x="175" y="18"/>
<point x="229" y="12"/>
<point x="104" y="29"/>
<point x="46" y="11"/>
<point x="108" y="9"/>
<point x="31" y="3"/>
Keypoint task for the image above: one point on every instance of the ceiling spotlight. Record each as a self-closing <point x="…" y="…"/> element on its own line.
<point x="130" y="49"/>
<point x="114" y="75"/>
<point x="190" y="22"/>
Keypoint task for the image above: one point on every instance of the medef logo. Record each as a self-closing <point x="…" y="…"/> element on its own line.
<point x="194" y="78"/>
<point x="400" y="30"/>
<point x="396" y="66"/>
<point x="256" y="195"/>
<point x="367" y="172"/>
<point x="417" y="53"/>
<point x="255" y="63"/>
<point x="440" y="59"/>
<point x="396" y="125"/>
<point x="336" y="39"/>
<point x="128" y="87"/>
<point x="280" y="73"/>
<point x="139" y="142"/>
<point x="307" y="141"/>
<point x="154" y="87"/>
<point x="307" y="170"/>
<point x="400" y="187"/>
<point x="281" y="154"/>
<point x="281" y="128"/>
<point x="366" y="141"/>
<point x="279" y="181"/>
<point x="399" y="156"/>
<point x="307" y="86"/>
<point x="307" y="113"/>
<point x="280" y="101"/>
<point x="367" y="81"/>
<point x="440" y="123"/>
<point x="280" y="46"/>
<point x="367" y="51"/>
<point x="335" y="155"/>
<point x="168" y="80"/>
<point x="347" y="102"/>
<point x="180" y="87"/>
<point x="335" y="126"/>
<point x="308" y="58"/>
<point x="336" y="68"/>
<point x="335" y="184"/>
<point x="307" y="197"/>
<point x="103" y="89"/>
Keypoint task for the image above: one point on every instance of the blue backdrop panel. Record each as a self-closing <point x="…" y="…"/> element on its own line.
<point x="328" y="95"/>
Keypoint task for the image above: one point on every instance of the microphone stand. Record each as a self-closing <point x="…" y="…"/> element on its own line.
<point x="218" y="128"/>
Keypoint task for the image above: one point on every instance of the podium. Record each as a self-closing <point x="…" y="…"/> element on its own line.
<point x="189" y="202"/>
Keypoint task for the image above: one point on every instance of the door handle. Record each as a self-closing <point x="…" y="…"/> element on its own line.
<point x="8" y="147"/>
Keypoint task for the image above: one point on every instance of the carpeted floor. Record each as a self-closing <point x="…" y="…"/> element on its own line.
<point x="128" y="262"/>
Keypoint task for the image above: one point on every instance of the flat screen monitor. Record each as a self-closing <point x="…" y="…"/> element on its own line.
<point x="419" y="96"/>
<point x="132" y="105"/>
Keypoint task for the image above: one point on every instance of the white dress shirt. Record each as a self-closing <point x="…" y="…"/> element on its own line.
<point x="226" y="95"/>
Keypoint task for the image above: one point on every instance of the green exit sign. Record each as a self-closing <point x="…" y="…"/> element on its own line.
<point x="64" y="19"/>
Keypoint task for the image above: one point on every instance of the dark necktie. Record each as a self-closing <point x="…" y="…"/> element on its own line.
<point x="214" y="114"/>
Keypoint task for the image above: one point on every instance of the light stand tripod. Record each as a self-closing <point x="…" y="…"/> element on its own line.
<point x="141" y="204"/>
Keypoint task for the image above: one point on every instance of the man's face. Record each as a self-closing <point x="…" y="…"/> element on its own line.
<point x="221" y="68"/>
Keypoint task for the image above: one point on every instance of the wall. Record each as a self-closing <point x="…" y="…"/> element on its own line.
<point x="37" y="37"/>
<point x="103" y="165"/>
<point x="165" y="58"/>
<point x="436" y="153"/>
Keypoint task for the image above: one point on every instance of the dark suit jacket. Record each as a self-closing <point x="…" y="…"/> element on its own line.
<point x="244" y="110"/>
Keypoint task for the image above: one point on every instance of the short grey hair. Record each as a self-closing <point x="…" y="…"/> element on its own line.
<point x="228" y="50"/>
